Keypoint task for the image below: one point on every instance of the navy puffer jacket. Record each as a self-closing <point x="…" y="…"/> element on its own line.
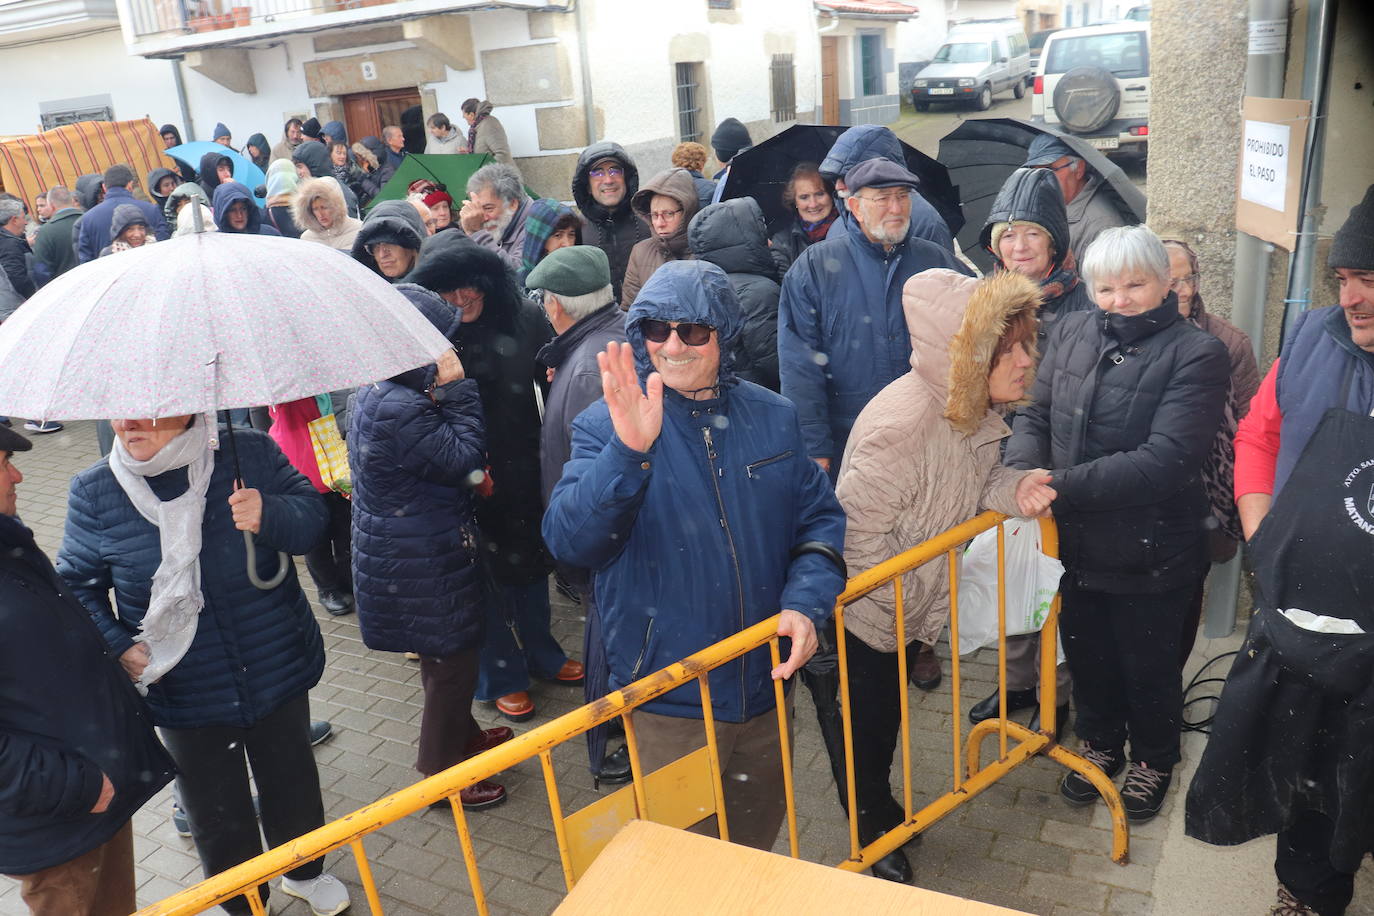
<point x="254" y="649"/>
<point x="415" y="461"/>
<point x="692" y="540"/>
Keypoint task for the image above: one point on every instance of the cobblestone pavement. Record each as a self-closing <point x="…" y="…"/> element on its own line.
<point x="1018" y="845"/>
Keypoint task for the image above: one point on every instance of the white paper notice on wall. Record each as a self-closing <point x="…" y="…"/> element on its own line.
<point x="369" y="70"/>
<point x="1268" y="36"/>
<point x="1264" y="164"/>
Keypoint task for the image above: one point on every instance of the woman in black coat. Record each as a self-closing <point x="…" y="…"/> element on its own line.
<point x="500" y="335"/>
<point x="1126" y="403"/>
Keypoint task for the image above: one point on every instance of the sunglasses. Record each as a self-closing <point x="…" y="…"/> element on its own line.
<point x="610" y="172"/>
<point x="693" y="335"/>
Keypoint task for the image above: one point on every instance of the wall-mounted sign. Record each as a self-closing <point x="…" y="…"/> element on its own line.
<point x="1269" y="182"/>
<point x="369" y="70"/>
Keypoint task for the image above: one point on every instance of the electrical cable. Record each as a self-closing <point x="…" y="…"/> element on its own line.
<point x="1203" y="725"/>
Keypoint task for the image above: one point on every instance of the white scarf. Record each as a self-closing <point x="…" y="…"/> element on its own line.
<point x="169" y="626"/>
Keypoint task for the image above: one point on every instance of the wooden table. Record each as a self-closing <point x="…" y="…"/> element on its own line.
<point x="649" y="868"/>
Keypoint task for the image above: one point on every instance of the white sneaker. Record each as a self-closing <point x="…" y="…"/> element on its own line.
<point x="326" y="894"/>
<point x="48" y="426"/>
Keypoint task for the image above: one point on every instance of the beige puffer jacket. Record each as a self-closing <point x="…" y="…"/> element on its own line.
<point x="924" y="454"/>
<point x="345" y="229"/>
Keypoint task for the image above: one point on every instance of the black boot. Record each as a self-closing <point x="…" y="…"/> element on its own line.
<point x="891" y="867"/>
<point x="1061" y="721"/>
<point x="986" y="708"/>
<point x="615" y="767"/>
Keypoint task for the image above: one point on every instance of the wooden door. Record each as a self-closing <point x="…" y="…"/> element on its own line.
<point x="830" y="81"/>
<point x="366" y="113"/>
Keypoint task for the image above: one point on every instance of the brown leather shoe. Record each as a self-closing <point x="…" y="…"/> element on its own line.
<point x="925" y="670"/>
<point x="570" y="675"/>
<point x="488" y="738"/>
<point x="486" y="794"/>
<point x="516" y="706"/>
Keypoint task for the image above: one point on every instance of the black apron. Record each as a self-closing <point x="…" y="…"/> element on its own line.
<point x="1294" y="730"/>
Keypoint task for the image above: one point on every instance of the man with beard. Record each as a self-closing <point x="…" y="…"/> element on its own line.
<point x="603" y="184"/>
<point x="493" y="216"/>
<point x="842" y="334"/>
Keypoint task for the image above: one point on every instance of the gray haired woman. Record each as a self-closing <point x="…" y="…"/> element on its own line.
<point x="1126" y="403"/>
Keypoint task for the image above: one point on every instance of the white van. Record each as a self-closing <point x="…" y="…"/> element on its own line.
<point x="1095" y="82"/>
<point x="977" y="60"/>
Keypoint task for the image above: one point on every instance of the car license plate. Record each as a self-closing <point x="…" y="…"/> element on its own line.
<point x="942" y="92"/>
<point x="1104" y="142"/>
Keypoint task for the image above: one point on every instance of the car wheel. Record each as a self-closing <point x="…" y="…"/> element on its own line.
<point x="1086" y="99"/>
<point x="1020" y="90"/>
<point x="984" y="101"/>
<point x="922" y="106"/>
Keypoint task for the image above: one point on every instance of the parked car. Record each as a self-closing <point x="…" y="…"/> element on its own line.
<point x="977" y="60"/>
<point x="1095" y="82"/>
<point x="1138" y="13"/>
<point x="1037" y="42"/>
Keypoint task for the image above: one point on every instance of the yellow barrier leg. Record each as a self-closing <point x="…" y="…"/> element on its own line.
<point x="374" y="901"/>
<point x="460" y="820"/>
<point x="785" y="747"/>
<point x="954" y="666"/>
<point x="848" y="724"/>
<point x="560" y="829"/>
<point x="708" y="717"/>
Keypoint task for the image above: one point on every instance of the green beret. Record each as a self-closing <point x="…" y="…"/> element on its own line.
<point x="573" y="271"/>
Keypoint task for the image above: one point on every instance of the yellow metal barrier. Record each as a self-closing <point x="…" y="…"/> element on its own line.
<point x="679" y="793"/>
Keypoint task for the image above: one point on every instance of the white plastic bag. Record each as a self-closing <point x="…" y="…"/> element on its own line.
<point x="1032" y="579"/>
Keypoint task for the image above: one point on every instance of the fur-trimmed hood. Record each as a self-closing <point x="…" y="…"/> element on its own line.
<point x="955" y="323"/>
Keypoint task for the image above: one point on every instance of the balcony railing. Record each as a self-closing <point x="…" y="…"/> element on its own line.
<point x="182" y="17"/>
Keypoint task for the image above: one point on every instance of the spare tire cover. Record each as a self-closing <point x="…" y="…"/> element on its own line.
<point x="1086" y="99"/>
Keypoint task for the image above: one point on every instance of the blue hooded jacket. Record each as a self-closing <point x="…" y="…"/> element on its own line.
<point x="842" y="334"/>
<point x="413" y="459"/>
<point x="871" y="141"/>
<point x="95" y="224"/>
<point x="227" y="193"/>
<point x="691" y="541"/>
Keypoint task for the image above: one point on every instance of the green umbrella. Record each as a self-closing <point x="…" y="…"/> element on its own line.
<point x="447" y="169"/>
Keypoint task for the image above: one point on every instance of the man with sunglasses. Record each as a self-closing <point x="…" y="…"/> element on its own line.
<point x="1089" y="211"/>
<point x="603" y="183"/>
<point x="690" y="498"/>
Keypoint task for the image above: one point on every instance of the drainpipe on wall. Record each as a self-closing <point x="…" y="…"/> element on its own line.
<point x="1264" y="74"/>
<point x="180" y="83"/>
<point x="1316" y="81"/>
<point x="588" y="108"/>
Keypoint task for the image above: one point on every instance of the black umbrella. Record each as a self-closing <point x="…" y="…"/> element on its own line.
<point x="761" y="172"/>
<point x="981" y="153"/>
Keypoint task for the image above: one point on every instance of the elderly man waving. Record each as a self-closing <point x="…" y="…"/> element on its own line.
<point x="690" y="497"/>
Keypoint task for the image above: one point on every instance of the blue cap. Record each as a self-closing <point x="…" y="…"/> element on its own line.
<point x="1046" y="149"/>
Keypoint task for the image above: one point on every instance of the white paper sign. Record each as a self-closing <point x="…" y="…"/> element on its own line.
<point x="369" y="70"/>
<point x="1268" y="36"/>
<point x="1264" y="164"/>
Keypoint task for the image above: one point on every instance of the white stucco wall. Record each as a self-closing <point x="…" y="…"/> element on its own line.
<point x="79" y="67"/>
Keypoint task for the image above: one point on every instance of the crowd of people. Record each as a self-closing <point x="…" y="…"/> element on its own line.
<point x="689" y="421"/>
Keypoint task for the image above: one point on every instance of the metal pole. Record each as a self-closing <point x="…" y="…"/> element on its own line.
<point x="180" y="83"/>
<point x="1264" y="70"/>
<point x="588" y="108"/>
<point x="1316" y="81"/>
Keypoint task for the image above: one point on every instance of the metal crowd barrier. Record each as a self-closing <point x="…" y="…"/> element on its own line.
<point x="689" y="789"/>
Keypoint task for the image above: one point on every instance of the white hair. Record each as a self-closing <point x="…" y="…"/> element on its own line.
<point x="1125" y="250"/>
<point x="503" y="179"/>
<point x="579" y="307"/>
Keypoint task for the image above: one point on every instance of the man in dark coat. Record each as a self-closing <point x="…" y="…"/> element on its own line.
<point x="501" y="335"/>
<point x="78" y="755"/>
<point x="694" y="528"/>
<point x="871" y="141"/>
<point x="237" y="211"/>
<point x="603" y="184"/>
<point x="14" y="247"/>
<point x="53" y="251"/>
<point x="733" y="235"/>
<point x="95" y="227"/>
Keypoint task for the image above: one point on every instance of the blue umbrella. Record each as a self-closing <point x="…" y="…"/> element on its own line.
<point x="245" y="172"/>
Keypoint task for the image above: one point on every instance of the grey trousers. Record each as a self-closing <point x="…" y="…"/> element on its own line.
<point x="1023" y="666"/>
<point x="750" y="762"/>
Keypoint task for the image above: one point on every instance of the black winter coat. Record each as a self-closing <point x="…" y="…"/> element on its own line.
<point x="68" y="713"/>
<point x="1123" y="413"/>
<point x="733" y="236"/>
<point x="613" y="231"/>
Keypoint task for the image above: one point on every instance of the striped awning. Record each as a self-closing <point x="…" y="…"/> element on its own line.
<point x="30" y="164"/>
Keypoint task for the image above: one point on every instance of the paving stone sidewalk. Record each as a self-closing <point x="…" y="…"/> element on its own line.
<point x="1018" y="845"/>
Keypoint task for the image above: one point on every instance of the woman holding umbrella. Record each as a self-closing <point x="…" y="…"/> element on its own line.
<point x="227" y="666"/>
<point x="811" y="197"/>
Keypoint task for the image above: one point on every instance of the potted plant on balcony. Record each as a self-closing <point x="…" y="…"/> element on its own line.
<point x="241" y="15"/>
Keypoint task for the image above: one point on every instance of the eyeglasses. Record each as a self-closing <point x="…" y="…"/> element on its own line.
<point x="693" y="335"/>
<point x="1055" y="168"/>
<point x="887" y="200"/>
<point x="662" y="216"/>
<point x="1176" y="282"/>
<point x="613" y="171"/>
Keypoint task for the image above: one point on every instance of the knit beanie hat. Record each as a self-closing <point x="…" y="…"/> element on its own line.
<point x="729" y="139"/>
<point x="999" y="228"/>
<point x="1353" y="246"/>
<point x="221" y="131"/>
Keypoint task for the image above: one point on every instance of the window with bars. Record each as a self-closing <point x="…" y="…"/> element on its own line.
<point x="688" y="102"/>
<point x="783" y="79"/>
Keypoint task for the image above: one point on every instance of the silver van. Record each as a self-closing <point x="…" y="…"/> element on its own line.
<point x="977" y="60"/>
